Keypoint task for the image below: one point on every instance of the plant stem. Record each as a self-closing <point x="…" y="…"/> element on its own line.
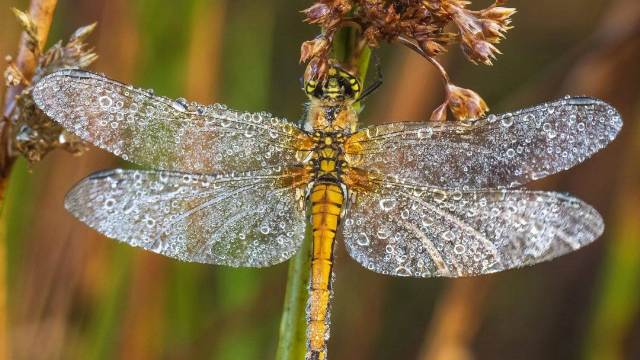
<point x="41" y="12"/>
<point x="293" y="326"/>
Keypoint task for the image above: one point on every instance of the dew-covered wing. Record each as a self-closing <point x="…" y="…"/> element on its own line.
<point x="497" y="151"/>
<point x="246" y="220"/>
<point x="162" y="133"/>
<point x="432" y="232"/>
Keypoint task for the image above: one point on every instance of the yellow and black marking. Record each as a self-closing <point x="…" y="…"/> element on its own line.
<point x="326" y="205"/>
<point x="326" y="198"/>
<point x="338" y="86"/>
<point x="331" y="117"/>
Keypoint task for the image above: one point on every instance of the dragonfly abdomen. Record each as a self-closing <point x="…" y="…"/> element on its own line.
<point x="326" y="204"/>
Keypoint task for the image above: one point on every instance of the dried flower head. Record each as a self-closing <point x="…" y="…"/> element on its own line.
<point x="33" y="133"/>
<point x="465" y="104"/>
<point x="425" y="26"/>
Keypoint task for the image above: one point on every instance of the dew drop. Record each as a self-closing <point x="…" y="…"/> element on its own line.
<point x="383" y="232"/>
<point x="439" y="195"/>
<point x="388" y="204"/>
<point x="538" y="175"/>
<point x="180" y="104"/>
<point x="425" y="133"/>
<point x="105" y="101"/>
<point x="448" y="235"/>
<point x="402" y="271"/>
<point x="363" y="240"/>
<point x="150" y="222"/>
<point x="109" y="203"/>
<point x="427" y="221"/>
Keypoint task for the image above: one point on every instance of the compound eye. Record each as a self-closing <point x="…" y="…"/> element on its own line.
<point x="355" y="86"/>
<point x="311" y="87"/>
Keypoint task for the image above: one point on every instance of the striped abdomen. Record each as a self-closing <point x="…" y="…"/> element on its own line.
<point x="326" y="204"/>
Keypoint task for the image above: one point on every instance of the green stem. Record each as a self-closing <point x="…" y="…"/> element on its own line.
<point x="293" y="325"/>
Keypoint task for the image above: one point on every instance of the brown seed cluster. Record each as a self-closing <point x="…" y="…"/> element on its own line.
<point x="33" y="133"/>
<point x="425" y="26"/>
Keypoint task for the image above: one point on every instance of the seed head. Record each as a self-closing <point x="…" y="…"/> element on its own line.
<point x="426" y="26"/>
<point x="33" y="133"/>
<point x="465" y="104"/>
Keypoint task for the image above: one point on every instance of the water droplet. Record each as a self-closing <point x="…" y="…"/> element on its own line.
<point x="105" y="101"/>
<point x="388" y="204"/>
<point x="427" y="221"/>
<point x="402" y="271"/>
<point x="439" y="195"/>
<point x="425" y="133"/>
<point x="363" y="240"/>
<point x="149" y="222"/>
<point x="383" y="232"/>
<point x="180" y="104"/>
<point x="538" y="175"/>
<point x="109" y="203"/>
<point x="448" y="235"/>
<point x="264" y="229"/>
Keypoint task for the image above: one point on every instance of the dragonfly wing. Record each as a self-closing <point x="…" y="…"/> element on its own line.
<point x="498" y="151"/>
<point x="246" y="220"/>
<point x="162" y="133"/>
<point x="425" y="232"/>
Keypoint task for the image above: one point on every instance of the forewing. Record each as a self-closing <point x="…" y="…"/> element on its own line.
<point x="162" y="133"/>
<point x="246" y="220"/>
<point x="498" y="151"/>
<point x="426" y="232"/>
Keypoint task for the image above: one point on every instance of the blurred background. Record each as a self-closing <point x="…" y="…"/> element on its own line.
<point x="73" y="294"/>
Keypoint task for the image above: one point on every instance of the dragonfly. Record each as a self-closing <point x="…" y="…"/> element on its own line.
<point x="422" y="199"/>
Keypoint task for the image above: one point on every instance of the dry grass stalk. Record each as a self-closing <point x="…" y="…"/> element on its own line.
<point x="32" y="133"/>
<point x="457" y="318"/>
<point x="41" y="14"/>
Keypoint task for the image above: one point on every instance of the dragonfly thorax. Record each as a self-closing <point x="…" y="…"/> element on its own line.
<point x="322" y="117"/>
<point x="328" y="156"/>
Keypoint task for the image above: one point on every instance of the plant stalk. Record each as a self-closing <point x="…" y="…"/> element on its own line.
<point x="293" y="326"/>
<point x="41" y="12"/>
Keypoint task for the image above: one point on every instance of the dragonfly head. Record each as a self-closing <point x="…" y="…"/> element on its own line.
<point x="339" y="87"/>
